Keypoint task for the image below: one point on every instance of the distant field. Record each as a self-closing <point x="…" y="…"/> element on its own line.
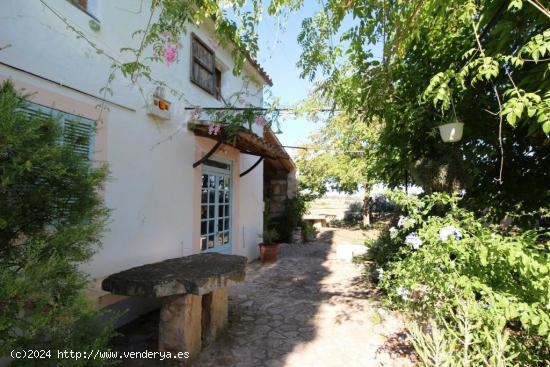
<point x="333" y="205"/>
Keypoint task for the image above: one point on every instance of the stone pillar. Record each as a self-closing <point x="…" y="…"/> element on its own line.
<point x="214" y="314"/>
<point x="180" y="324"/>
<point x="291" y="185"/>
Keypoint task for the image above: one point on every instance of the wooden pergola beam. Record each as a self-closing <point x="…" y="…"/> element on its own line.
<point x="253" y="166"/>
<point x="207" y="155"/>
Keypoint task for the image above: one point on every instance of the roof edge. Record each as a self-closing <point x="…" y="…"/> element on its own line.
<point x="266" y="78"/>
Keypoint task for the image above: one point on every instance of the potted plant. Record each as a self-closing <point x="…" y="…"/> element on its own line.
<point x="269" y="248"/>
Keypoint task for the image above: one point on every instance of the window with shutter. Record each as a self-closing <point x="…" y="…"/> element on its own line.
<point x="78" y="132"/>
<point x="203" y="65"/>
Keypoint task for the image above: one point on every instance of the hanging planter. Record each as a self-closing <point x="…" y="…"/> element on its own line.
<point x="451" y="133"/>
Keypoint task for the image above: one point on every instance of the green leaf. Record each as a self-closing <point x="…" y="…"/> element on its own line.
<point x="483" y="256"/>
<point x="543" y="328"/>
<point x="515" y="4"/>
<point x="511" y="118"/>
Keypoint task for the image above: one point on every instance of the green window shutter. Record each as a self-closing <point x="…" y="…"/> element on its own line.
<point x="78" y="132"/>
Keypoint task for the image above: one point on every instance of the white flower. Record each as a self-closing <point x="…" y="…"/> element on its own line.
<point x="403" y="293"/>
<point x="379" y="273"/>
<point x="447" y="231"/>
<point x="413" y="240"/>
<point x="401" y="221"/>
<point x="405" y="222"/>
<point x="393" y="232"/>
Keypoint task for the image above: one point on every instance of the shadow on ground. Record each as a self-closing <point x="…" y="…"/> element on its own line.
<point x="274" y="310"/>
<point x="308" y="309"/>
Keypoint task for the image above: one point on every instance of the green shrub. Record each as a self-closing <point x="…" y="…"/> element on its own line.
<point x="353" y="216"/>
<point x="309" y="231"/>
<point x="440" y="253"/>
<point x="459" y="342"/>
<point x="51" y="220"/>
<point x="295" y="209"/>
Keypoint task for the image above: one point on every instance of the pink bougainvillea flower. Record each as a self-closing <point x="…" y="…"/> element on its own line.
<point x="260" y="121"/>
<point x="170" y="54"/>
<point x="214" y="129"/>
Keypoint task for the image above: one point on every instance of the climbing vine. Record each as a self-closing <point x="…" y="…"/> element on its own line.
<point x="234" y="28"/>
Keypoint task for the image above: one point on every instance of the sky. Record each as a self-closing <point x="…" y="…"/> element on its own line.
<point x="279" y="53"/>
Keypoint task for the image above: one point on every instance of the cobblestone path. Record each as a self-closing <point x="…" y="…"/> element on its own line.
<point x="308" y="309"/>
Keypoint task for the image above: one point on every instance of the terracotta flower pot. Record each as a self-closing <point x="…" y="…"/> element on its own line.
<point x="268" y="252"/>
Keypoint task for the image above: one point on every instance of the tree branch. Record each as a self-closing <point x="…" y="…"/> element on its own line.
<point x="540" y="7"/>
<point x="497" y="95"/>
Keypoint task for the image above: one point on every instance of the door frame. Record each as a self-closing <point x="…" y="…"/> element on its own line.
<point x="210" y="170"/>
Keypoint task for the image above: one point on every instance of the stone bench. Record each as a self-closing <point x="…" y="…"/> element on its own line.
<point x="193" y="290"/>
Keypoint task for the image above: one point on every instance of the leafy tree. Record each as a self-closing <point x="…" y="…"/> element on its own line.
<point x="342" y="157"/>
<point x="51" y="220"/>
<point x="483" y="63"/>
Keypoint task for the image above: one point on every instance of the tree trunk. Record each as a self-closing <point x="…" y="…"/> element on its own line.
<point x="366" y="211"/>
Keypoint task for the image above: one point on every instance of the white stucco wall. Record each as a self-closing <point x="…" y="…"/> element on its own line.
<point x="152" y="179"/>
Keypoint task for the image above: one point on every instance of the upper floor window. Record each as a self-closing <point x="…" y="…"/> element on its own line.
<point x="88" y="6"/>
<point x="204" y="72"/>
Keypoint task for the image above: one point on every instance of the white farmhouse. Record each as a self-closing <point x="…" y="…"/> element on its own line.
<point x="164" y="204"/>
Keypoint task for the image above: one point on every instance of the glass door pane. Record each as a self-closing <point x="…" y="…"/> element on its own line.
<point x="215" y="216"/>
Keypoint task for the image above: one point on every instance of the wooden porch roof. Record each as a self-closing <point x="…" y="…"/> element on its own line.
<point x="246" y="142"/>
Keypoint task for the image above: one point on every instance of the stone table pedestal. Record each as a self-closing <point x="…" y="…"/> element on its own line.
<point x="193" y="290"/>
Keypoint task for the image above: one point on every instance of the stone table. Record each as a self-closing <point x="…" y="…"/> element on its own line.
<point x="193" y="290"/>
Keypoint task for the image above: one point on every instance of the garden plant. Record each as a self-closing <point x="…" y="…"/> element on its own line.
<point x="51" y="222"/>
<point x="479" y="293"/>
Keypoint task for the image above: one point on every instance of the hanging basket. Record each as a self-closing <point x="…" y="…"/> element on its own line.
<point x="451" y="133"/>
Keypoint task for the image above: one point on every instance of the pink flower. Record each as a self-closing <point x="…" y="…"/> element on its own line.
<point x="214" y="129"/>
<point x="165" y="34"/>
<point x="260" y="121"/>
<point x="170" y="54"/>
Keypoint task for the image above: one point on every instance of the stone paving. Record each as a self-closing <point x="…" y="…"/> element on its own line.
<point x="308" y="309"/>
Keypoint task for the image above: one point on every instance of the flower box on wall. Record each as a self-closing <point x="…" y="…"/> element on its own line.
<point x="159" y="108"/>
